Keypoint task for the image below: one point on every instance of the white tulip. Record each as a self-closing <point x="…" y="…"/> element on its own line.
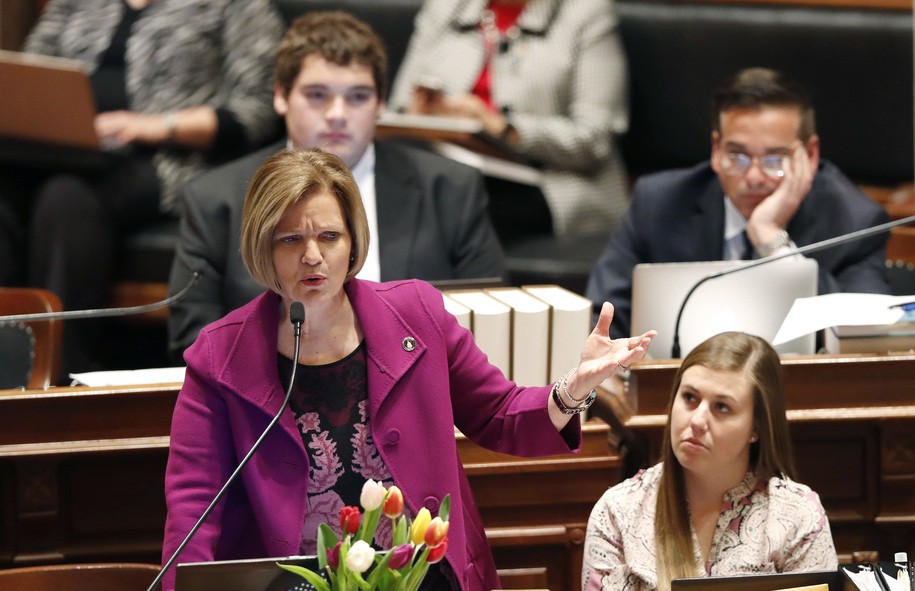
<point x="360" y="557"/>
<point x="372" y="495"/>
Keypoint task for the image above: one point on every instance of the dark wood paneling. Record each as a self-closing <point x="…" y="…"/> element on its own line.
<point x="83" y="468"/>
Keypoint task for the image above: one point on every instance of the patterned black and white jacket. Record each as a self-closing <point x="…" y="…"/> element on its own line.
<point x="180" y="54"/>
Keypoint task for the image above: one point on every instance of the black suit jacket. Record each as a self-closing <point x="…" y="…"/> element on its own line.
<point x="432" y="224"/>
<point x="678" y="216"/>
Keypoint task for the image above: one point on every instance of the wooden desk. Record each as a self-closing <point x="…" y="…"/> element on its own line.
<point x="853" y="426"/>
<point x="81" y="480"/>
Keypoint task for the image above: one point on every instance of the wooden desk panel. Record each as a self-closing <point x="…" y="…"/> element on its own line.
<point x="82" y="469"/>
<point x="852" y="423"/>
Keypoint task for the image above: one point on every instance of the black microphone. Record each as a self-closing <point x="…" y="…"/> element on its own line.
<point x="822" y="244"/>
<point x="105" y="312"/>
<point x="297" y="317"/>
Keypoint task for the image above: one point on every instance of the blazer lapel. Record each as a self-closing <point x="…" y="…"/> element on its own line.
<point x="708" y="223"/>
<point x="250" y="369"/>
<point x="389" y="353"/>
<point x="399" y="199"/>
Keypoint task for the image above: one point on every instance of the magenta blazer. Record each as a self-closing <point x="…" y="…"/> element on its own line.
<point x="416" y="398"/>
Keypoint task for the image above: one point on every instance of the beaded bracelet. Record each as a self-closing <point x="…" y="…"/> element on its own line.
<point x="572" y="410"/>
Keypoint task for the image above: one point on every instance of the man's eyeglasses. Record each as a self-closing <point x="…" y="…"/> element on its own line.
<point x="737" y="164"/>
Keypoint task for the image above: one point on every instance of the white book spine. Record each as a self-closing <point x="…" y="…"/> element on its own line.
<point x="491" y="326"/>
<point x="530" y="335"/>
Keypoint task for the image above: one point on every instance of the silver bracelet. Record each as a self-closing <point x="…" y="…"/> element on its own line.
<point x="564" y="384"/>
<point x="171" y="124"/>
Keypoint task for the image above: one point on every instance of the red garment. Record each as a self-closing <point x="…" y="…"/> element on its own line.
<point x="505" y="16"/>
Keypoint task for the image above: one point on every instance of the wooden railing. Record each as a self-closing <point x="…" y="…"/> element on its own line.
<point x="82" y="469"/>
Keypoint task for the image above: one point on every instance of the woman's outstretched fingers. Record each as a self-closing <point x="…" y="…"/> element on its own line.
<point x="602" y="327"/>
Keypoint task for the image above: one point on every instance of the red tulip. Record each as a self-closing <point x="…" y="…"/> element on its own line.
<point x="436" y="554"/>
<point x="436" y="532"/>
<point x="349" y="520"/>
<point x="333" y="556"/>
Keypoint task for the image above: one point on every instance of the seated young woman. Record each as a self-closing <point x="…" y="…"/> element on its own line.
<point x="723" y="500"/>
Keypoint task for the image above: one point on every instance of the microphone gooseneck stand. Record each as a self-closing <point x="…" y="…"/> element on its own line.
<point x="829" y="242"/>
<point x="297" y="317"/>
<point x="105" y="312"/>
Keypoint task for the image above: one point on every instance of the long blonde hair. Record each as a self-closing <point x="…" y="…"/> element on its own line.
<point x="770" y="455"/>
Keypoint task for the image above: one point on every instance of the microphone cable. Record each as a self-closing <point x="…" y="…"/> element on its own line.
<point x="297" y="317"/>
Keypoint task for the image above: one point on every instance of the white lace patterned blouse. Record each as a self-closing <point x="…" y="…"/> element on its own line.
<point x="764" y="527"/>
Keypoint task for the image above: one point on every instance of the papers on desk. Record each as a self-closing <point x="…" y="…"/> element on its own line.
<point x="864" y="577"/>
<point x="463" y="140"/>
<point x="839" y="309"/>
<point x="130" y="377"/>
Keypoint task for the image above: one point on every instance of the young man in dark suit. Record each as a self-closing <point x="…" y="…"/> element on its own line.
<point x="764" y="191"/>
<point x="427" y="215"/>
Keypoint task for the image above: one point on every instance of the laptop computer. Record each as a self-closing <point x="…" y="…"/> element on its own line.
<point x="772" y="582"/>
<point x="48" y="114"/>
<point x="46" y="99"/>
<point x="755" y="301"/>
<point x="257" y="574"/>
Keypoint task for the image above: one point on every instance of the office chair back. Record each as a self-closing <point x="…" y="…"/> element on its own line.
<point x="30" y="350"/>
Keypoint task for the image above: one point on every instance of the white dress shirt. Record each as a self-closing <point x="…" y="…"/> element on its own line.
<point x="364" y="173"/>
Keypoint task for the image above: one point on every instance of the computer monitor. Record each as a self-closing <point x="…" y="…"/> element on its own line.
<point x="771" y="582"/>
<point x="257" y="574"/>
<point x="755" y="301"/>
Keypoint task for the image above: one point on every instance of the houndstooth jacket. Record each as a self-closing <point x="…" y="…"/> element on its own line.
<point x="562" y="81"/>
<point x="180" y="54"/>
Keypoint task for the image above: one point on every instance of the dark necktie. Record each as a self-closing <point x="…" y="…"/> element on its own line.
<point x="748" y="250"/>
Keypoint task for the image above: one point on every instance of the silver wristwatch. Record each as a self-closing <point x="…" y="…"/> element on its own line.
<point x="780" y="241"/>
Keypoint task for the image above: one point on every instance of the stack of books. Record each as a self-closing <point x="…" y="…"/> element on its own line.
<point x="870" y="338"/>
<point x="534" y="333"/>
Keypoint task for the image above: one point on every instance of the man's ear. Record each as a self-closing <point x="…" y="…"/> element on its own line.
<point x="716" y="147"/>
<point x="280" y="104"/>
<point x="813" y="152"/>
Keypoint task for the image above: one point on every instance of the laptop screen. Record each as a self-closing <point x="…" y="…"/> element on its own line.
<point x="755" y="301"/>
<point x="257" y="574"/>
<point x="46" y="99"/>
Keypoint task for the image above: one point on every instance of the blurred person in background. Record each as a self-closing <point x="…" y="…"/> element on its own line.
<point x="184" y="84"/>
<point x="763" y="191"/>
<point x="427" y="214"/>
<point x="549" y="78"/>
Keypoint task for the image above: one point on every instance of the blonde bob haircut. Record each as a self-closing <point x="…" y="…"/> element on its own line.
<point x="770" y="455"/>
<point x="285" y="178"/>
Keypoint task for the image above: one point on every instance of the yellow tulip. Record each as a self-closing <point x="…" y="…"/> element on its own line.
<point x="418" y="529"/>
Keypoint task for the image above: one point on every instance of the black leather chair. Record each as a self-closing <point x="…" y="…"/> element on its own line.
<point x="856" y="63"/>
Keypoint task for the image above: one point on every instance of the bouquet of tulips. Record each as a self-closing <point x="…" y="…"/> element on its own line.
<point x="352" y="564"/>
